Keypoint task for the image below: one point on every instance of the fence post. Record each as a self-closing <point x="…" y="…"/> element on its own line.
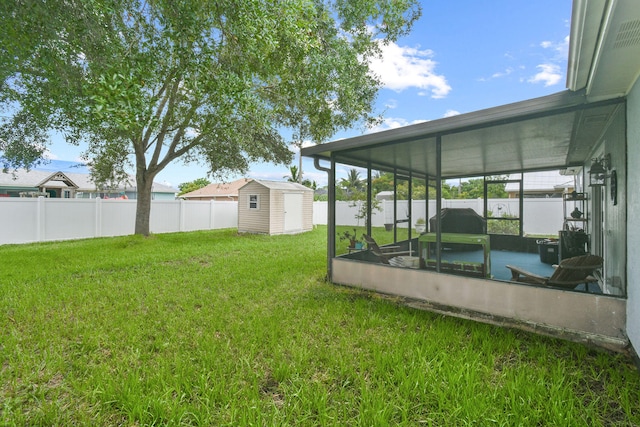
<point x="212" y="215"/>
<point x="181" y="215"/>
<point x="40" y="219"/>
<point x="98" y="217"/>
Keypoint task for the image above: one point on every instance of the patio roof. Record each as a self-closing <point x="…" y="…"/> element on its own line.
<point x="553" y="132"/>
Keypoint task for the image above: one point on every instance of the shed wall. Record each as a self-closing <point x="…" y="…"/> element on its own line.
<point x="270" y="217"/>
<point x="307" y="211"/>
<point x="276" y="221"/>
<point x="278" y="216"/>
<point x="254" y="220"/>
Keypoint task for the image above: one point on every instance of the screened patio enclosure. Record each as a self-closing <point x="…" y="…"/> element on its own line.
<point x="557" y="132"/>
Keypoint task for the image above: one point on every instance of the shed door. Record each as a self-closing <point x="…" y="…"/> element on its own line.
<point x="292" y="212"/>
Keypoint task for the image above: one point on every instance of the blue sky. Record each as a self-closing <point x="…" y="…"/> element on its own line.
<point x="462" y="56"/>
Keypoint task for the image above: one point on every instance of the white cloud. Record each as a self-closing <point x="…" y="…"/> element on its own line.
<point x="504" y="73"/>
<point x="49" y="155"/>
<point x="560" y="49"/>
<point x="273" y="175"/>
<point x="403" y="67"/>
<point x="296" y="149"/>
<point x="191" y="132"/>
<point x="391" y="104"/>
<point x="549" y="74"/>
<point x="451" y="113"/>
<point x="392" y="123"/>
<point x="549" y="70"/>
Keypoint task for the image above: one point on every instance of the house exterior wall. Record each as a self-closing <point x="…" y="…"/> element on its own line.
<point x="633" y="216"/>
<point x="570" y="315"/>
<point x="254" y="220"/>
<point x="615" y="216"/>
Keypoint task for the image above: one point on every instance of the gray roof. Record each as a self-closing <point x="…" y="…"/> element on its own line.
<point x="552" y="132"/>
<point x="33" y="178"/>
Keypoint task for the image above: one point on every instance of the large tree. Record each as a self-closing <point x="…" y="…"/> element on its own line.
<point x="144" y="83"/>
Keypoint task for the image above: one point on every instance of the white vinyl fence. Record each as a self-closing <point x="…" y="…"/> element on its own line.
<point x="27" y="220"/>
<point x="540" y="216"/>
<point x="41" y="219"/>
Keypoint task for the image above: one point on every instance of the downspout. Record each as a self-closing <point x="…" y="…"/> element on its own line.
<point x="395" y="205"/>
<point x="438" y="201"/>
<point x="485" y="203"/>
<point x="410" y="209"/>
<point x="331" y="214"/>
<point x="369" y="199"/>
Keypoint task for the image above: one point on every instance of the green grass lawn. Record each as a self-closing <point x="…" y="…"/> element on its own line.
<point x="212" y="328"/>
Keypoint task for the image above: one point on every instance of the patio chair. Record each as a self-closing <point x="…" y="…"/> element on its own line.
<point x="568" y="274"/>
<point x="386" y="253"/>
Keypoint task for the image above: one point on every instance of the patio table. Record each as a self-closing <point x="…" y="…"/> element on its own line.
<point x="424" y="245"/>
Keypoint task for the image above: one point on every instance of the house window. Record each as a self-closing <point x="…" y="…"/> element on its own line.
<point x="66" y="194"/>
<point x="254" y="201"/>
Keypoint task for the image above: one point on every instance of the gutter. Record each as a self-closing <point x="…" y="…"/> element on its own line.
<point x="331" y="214"/>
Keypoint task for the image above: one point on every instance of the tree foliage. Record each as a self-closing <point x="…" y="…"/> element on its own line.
<point x="196" y="184"/>
<point x="295" y="175"/>
<point x="474" y="189"/>
<point x="144" y="83"/>
<point x="353" y="187"/>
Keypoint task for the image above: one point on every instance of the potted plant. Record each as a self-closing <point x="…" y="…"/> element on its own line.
<point x="421" y="225"/>
<point x="354" y="242"/>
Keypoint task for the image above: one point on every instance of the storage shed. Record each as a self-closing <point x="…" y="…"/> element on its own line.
<point x="274" y="207"/>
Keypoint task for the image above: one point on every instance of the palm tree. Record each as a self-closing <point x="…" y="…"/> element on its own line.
<point x="352" y="183"/>
<point x="294" y="174"/>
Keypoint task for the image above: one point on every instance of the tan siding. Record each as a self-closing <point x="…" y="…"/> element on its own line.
<point x="251" y="220"/>
<point x="307" y="211"/>
<point x="277" y="212"/>
<point x="270" y="217"/>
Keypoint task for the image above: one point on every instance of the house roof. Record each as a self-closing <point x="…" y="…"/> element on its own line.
<point x="545" y="181"/>
<point x="218" y="189"/>
<point x="282" y="185"/>
<point x="551" y="132"/>
<point x="34" y="178"/>
<point x="604" y="50"/>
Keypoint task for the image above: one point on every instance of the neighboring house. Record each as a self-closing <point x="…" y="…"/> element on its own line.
<point x="540" y="184"/>
<point x="68" y="185"/>
<point x="592" y="129"/>
<point x="385" y="195"/>
<point x="219" y="191"/>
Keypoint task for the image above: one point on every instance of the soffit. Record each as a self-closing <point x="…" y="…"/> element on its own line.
<point x="604" y="54"/>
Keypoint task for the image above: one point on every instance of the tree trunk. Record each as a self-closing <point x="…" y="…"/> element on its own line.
<point x="143" y="202"/>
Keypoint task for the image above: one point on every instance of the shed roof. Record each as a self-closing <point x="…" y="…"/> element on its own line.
<point x="282" y="185"/>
